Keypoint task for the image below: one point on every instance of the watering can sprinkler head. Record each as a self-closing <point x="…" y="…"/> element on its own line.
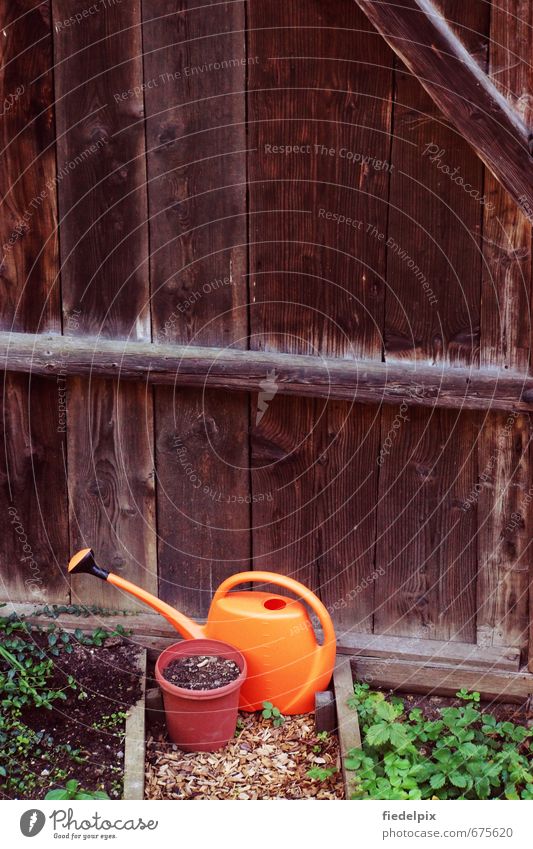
<point x="83" y="563"/>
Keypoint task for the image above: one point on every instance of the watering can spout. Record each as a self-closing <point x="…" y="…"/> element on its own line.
<point x="83" y="563"/>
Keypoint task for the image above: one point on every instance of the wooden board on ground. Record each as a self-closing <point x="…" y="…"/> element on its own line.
<point x="463" y="655"/>
<point x="437" y="680"/>
<point x="135" y="742"/>
<point x="347" y="719"/>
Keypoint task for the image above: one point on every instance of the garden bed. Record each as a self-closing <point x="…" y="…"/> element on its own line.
<point x="437" y="747"/>
<point x="263" y="761"/>
<point x="65" y="702"/>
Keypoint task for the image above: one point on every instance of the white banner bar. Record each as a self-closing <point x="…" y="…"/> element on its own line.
<point x="269" y="825"/>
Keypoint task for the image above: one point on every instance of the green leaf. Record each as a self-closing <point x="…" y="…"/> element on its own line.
<point x="377" y="734"/>
<point x="458" y="779"/>
<point x="482" y="786"/>
<point x="57" y="794"/>
<point x="385" y="711"/>
<point x="438" y="780"/>
<point x="510" y="792"/>
<point x="398" y="736"/>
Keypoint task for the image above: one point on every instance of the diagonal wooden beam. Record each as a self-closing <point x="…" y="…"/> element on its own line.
<point x="421" y="37"/>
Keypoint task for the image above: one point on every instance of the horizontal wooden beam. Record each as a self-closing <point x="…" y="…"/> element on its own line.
<point x="427" y="679"/>
<point x="153" y="632"/>
<point x="419" y="34"/>
<point x="364" y="381"/>
<point x="435" y="652"/>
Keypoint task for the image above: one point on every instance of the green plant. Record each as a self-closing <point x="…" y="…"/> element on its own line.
<point x="321" y="773"/>
<point x="239" y="728"/>
<point x="99" y="636"/>
<point x="464" y="754"/>
<point x="322" y="737"/>
<point x="273" y="713"/>
<point x="468" y="697"/>
<point x="72" y="790"/>
<point x="110" y="721"/>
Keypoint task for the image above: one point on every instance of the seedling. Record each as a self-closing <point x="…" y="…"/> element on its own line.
<point x="468" y="697"/>
<point x="73" y="791"/>
<point x="273" y="713"/>
<point x="321" y="773"/>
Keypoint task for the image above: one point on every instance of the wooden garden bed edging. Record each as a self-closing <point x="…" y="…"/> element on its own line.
<point x="135" y="742"/>
<point x="347" y="720"/>
<point x="428" y="679"/>
<point x="154" y="633"/>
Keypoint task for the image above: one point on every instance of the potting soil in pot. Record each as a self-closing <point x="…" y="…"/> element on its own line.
<point x="204" y="672"/>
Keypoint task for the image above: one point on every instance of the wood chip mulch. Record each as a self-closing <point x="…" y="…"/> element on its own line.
<point x="263" y="762"/>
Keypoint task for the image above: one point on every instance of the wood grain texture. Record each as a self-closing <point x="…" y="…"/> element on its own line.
<point x="514" y="687"/>
<point x="104" y="247"/>
<point x="505" y="524"/>
<point x="196" y="137"/>
<point x="362" y="380"/>
<point x="319" y="111"/>
<point x="426" y="541"/>
<point x="34" y="542"/>
<point x="347" y="720"/>
<point x="428" y="46"/>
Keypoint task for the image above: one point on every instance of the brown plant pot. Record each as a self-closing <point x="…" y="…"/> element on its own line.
<point x="200" y="720"/>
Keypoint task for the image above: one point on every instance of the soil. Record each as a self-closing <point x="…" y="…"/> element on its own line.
<point x="431" y="706"/>
<point x="203" y="672"/>
<point x="107" y="683"/>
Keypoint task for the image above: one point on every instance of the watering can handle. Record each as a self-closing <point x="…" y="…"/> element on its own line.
<point x="288" y="584"/>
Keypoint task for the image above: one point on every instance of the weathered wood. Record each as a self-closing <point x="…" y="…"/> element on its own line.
<point x="426" y="541"/>
<point x="135" y="741"/>
<point x="325" y="719"/>
<point x="505" y="516"/>
<point x="152" y="631"/>
<point x="419" y="34"/>
<point x="196" y="138"/>
<point x="34" y="538"/>
<point x="316" y="285"/>
<point x="435" y="680"/>
<point x="347" y="719"/>
<point x="364" y="381"/>
<point x="463" y="655"/>
<point x="104" y="244"/>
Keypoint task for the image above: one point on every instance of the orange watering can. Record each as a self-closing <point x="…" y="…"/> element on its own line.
<point x="286" y="665"/>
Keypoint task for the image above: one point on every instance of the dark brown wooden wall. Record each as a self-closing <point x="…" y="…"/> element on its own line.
<point x="176" y="171"/>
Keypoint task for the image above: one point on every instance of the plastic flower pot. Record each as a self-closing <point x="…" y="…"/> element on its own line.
<point x="200" y="720"/>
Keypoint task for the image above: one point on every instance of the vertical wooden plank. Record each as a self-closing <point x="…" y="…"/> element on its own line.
<point x="104" y="246"/>
<point x="426" y="541"/>
<point x="194" y="77"/>
<point x="319" y="107"/>
<point x="505" y="525"/>
<point x="34" y="542"/>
